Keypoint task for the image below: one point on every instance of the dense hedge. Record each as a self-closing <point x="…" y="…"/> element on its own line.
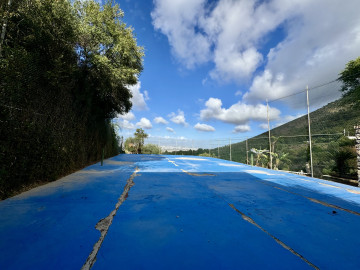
<point x="61" y="82"/>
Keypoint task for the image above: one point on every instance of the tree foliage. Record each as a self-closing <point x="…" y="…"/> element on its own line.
<point x="207" y="155"/>
<point x="350" y="77"/>
<point x="151" y="149"/>
<point x="135" y="144"/>
<point x="108" y="56"/>
<point x="130" y="146"/>
<point x="65" y="68"/>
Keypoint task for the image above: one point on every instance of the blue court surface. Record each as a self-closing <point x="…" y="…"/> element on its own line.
<point x="181" y="212"/>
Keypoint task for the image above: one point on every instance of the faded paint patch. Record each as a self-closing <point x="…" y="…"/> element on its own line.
<point x="92" y="171"/>
<point x="188" y="158"/>
<point x="114" y="162"/>
<point x="259" y="172"/>
<point x="352" y="191"/>
<point x="328" y="185"/>
<point x="230" y="165"/>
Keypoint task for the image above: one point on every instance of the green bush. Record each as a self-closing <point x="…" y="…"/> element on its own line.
<point x="64" y="68"/>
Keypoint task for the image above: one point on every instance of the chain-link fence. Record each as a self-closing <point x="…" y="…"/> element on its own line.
<point x="313" y="138"/>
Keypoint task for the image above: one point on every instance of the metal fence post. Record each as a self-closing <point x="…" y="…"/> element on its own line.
<point x="102" y="157"/>
<point x="247" y="153"/>
<point x="310" y="146"/>
<point x="357" y="146"/>
<point x="268" y="118"/>
<point x="230" y="148"/>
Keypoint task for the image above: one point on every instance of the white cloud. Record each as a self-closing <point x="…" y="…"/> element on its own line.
<point x="241" y="129"/>
<point x="311" y="41"/>
<point x="226" y="33"/>
<point x="170" y="129"/>
<point x="323" y="37"/>
<point x="160" y="120"/>
<point x="128" y="116"/>
<point x="138" y="99"/>
<point x="178" y="20"/>
<point x="146" y="95"/>
<point x="234" y="64"/>
<point x="144" y="123"/>
<point x="125" y="124"/>
<point x="204" y="127"/>
<point x="238" y="114"/>
<point x="238" y="93"/>
<point x="178" y="118"/>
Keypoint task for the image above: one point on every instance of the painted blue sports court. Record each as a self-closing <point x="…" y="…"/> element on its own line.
<point x="181" y="212"/>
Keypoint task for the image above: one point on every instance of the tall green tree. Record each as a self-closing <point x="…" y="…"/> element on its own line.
<point x="140" y="137"/>
<point x="65" y="69"/>
<point x="130" y="145"/>
<point x="350" y="77"/>
<point x="108" y="57"/>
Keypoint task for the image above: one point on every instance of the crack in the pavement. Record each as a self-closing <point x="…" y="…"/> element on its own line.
<point x="319" y="202"/>
<point x="251" y="221"/>
<point x="197" y="174"/>
<point x="104" y="224"/>
<point x="173" y="162"/>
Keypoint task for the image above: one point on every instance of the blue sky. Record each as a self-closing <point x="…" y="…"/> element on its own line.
<point x="209" y="66"/>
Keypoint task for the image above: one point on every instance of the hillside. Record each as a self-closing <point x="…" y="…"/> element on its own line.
<point x="291" y="149"/>
<point x="336" y="116"/>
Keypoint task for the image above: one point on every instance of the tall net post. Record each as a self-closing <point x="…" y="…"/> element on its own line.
<point x="230" y="147"/>
<point x="268" y="119"/>
<point x="309" y="127"/>
<point x="357" y="146"/>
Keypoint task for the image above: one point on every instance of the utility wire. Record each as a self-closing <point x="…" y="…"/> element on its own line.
<point x="317" y="86"/>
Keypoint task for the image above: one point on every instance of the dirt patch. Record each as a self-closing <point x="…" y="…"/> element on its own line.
<point x="200" y="174"/>
<point x="114" y="162"/>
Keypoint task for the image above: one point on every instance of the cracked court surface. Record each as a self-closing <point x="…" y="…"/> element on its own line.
<point x="181" y="212"/>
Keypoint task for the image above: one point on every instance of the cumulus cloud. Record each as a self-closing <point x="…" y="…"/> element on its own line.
<point x="170" y="129"/>
<point x="144" y="123"/>
<point x="128" y="116"/>
<point x="238" y="93"/>
<point x="125" y="124"/>
<point x="178" y="118"/>
<point x="160" y="120"/>
<point x="204" y="127"/>
<point x="178" y="21"/>
<point x="313" y="41"/>
<point x="241" y="129"/>
<point x="138" y="99"/>
<point x="227" y="33"/>
<point x="238" y="114"/>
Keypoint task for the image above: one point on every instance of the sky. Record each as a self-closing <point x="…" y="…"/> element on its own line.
<point x="210" y="66"/>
